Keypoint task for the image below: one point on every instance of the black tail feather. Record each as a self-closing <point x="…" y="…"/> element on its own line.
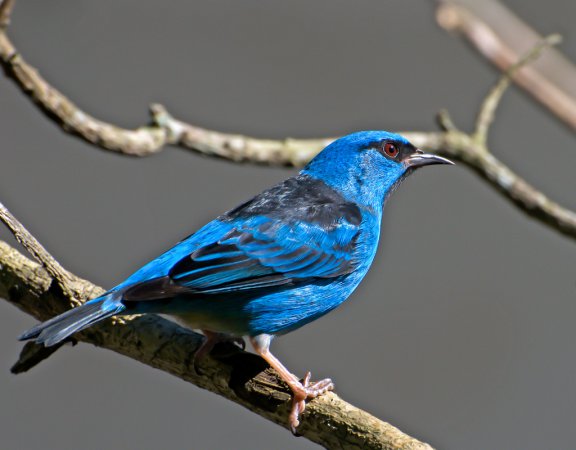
<point x="60" y="327"/>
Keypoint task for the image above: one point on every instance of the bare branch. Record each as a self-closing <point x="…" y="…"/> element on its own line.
<point x="64" y="278"/>
<point x="140" y="142"/>
<point x="492" y="100"/>
<point x="71" y="286"/>
<point x="236" y="147"/>
<point x="501" y="37"/>
<point x="150" y="139"/>
<point x="165" y="129"/>
<point x="463" y="147"/>
<point x="444" y="121"/>
<point x="291" y="152"/>
<point x="241" y="377"/>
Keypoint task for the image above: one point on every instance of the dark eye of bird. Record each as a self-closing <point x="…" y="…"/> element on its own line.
<point x="391" y="150"/>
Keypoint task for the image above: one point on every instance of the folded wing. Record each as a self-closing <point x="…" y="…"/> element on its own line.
<point x="255" y="256"/>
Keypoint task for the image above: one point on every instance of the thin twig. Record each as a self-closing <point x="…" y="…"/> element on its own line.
<point x="64" y="278"/>
<point x="444" y="121"/>
<point x="492" y="100"/>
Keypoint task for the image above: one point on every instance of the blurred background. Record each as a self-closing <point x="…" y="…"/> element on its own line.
<point x="462" y="333"/>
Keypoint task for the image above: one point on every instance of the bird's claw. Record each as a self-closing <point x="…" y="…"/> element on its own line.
<point x="303" y="391"/>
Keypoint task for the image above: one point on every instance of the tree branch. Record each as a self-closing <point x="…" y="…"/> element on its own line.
<point x="70" y="285"/>
<point x="236" y="375"/>
<point x="492" y="100"/>
<point x="65" y="279"/>
<point x="501" y="37"/>
<point x="469" y="149"/>
<point x="237" y="147"/>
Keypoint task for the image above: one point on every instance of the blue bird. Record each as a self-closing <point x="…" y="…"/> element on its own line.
<point x="273" y="264"/>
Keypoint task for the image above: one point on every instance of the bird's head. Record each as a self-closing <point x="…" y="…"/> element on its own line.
<point x="367" y="165"/>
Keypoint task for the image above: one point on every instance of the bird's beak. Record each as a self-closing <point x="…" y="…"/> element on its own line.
<point x="419" y="158"/>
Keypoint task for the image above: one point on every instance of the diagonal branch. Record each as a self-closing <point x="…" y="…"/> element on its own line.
<point x="71" y="286"/>
<point x="64" y="278"/>
<point x="241" y="377"/>
<point x="140" y="142"/>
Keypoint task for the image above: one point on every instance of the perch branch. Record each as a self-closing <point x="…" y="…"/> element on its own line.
<point x="236" y="375"/>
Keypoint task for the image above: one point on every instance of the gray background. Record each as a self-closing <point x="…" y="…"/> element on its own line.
<point x="463" y="332"/>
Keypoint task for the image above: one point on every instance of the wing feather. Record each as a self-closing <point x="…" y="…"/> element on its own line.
<point x="279" y="238"/>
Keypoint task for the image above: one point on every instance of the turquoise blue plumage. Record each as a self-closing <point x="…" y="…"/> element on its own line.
<point x="273" y="264"/>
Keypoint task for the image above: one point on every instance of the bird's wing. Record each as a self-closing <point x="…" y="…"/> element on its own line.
<point x="260" y="252"/>
<point x="298" y="230"/>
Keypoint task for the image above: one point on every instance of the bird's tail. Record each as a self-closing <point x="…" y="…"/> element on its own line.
<point x="60" y="327"/>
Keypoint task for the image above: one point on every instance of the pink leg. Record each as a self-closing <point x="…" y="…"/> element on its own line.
<point x="301" y="391"/>
<point x="212" y="338"/>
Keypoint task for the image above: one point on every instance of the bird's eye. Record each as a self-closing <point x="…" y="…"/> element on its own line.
<point x="391" y="150"/>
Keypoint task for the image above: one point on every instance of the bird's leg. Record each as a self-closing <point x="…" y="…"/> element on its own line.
<point x="301" y="390"/>
<point x="211" y="339"/>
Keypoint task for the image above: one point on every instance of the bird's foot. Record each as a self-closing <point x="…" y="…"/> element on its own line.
<point x="211" y="339"/>
<point x="304" y="391"/>
<point x="301" y="390"/>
